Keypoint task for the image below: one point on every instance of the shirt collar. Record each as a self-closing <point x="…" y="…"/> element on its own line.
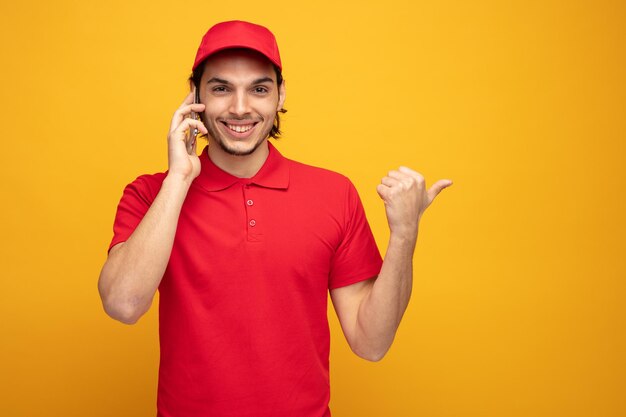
<point x="273" y="174"/>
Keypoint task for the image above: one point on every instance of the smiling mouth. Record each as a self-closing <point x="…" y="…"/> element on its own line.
<point x="239" y="128"/>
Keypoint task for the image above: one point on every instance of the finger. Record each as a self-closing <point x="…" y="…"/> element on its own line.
<point x="189" y="98"/>
<point x="436" y="188"/>
<point x="383" y="191"/>
<point x="389" y="181"/>
<point x="183" y="112"/>
<point x="177" y="118"/>
<point x="191" y="144"/>
<point x="408" y="179"/>
<point x="414" y="174"/>
<point x="396" y="174"/>
<point x="194" y="123"/>
<point x="404" y="172"/>
<point x="187" y="124"/>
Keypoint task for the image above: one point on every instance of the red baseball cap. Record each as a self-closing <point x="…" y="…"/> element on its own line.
<point x="238" y="34"/>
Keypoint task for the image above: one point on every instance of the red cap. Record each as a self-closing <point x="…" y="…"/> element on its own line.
<point x="238" y="34"/>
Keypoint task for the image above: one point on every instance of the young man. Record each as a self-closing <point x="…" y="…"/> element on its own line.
<point x="243" y="245"/>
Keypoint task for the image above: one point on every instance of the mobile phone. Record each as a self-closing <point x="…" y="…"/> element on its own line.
<point x="193" y="132"/>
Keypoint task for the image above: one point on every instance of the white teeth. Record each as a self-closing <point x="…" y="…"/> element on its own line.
<point x="240" y="129"/>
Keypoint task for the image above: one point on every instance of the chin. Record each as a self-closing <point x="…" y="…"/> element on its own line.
<point x="248" y="149"/>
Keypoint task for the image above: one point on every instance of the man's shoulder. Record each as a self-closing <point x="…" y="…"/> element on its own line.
<point x="331" y="188"/>
<point x="150" y="179"/>
<point x="146" y="185"/>
<point x="311" y="174"/>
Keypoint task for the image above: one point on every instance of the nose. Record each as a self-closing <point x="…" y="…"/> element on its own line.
<point x="240" y="105"/>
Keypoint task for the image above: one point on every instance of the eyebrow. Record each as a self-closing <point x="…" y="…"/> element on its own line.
<point x="263" y="80"/>
<point x="222" y="81"/>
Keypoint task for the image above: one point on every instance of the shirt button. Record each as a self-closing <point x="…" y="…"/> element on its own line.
<point x="252" y="223"/>
<point x="249" y="202"/>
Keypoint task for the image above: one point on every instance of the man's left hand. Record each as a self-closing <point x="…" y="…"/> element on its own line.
<point x="406" y="198"/>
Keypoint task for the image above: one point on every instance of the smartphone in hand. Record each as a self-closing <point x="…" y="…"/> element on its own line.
<point x="192" y="133"/>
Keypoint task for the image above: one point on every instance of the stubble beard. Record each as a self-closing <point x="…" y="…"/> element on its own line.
<point x="219" y="140"/>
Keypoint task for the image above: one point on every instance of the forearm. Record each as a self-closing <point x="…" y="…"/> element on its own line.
<point x="382" y="308"/>
<point x="132" y="274"/>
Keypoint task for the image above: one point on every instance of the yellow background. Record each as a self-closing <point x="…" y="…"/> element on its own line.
<point x="518" y="300"/>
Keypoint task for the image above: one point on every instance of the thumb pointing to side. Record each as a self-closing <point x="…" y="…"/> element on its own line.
<point x="436" y="188"/>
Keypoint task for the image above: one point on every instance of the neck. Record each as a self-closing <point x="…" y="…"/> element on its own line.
<point x="241" y="166"/>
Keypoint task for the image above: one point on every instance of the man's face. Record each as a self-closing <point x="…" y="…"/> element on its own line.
<point x="239" y="90"/>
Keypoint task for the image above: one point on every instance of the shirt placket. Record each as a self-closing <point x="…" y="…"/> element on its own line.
<point x="254" y="224"/>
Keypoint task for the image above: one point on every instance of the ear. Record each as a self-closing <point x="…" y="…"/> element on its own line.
<point x="281" y="96"/>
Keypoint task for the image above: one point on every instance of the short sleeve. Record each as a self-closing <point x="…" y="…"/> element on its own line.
<point x="135" y="202"/>
<point x="357" y="258"/>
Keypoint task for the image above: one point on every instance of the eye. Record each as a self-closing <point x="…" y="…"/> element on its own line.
<point x="261" y="89"/>
<point x="219" y="89"/>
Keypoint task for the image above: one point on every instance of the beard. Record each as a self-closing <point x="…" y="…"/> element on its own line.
<point x="218" y="138"/>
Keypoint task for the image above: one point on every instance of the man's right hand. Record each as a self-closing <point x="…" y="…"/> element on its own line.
<point x="182" y="164"/>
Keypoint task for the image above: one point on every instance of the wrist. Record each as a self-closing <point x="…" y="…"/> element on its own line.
<point x="404" y="238"/>
<point x="177" y="180"/>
